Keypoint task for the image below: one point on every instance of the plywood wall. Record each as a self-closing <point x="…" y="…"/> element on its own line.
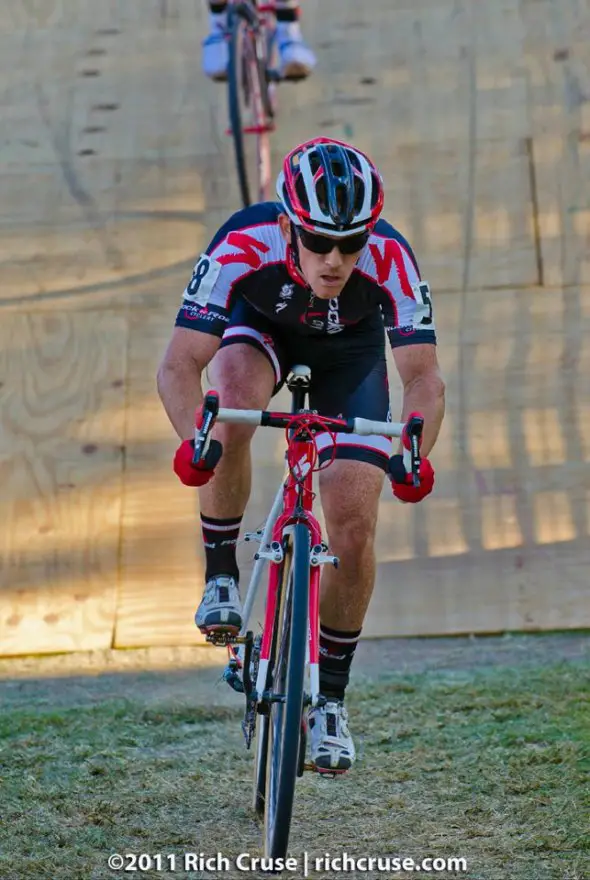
<point x="116" y="171"/>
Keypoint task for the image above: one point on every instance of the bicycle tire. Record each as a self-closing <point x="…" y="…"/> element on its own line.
<point x="284" y="722"/>
<point x="240" y="21"/>
<point x="260" y="760"/>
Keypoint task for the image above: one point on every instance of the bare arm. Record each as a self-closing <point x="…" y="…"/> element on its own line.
<point x="424" y="388"/>
<point x="179" y="376"/>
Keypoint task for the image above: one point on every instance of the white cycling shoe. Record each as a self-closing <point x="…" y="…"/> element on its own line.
<point x="216" y="54"/>
<point x="220" y="610"/>
<point x="331" y="745"/>
<point x="296" y="60"/>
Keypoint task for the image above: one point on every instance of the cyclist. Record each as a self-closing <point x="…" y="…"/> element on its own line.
<point x="315" y="278"/>
<point x="296" y="60"/>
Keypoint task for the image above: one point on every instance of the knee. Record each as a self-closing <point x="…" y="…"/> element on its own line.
<point x="351" y="533"/>
<point x="235" y="439"/>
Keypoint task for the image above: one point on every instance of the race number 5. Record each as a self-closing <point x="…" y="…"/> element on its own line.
<point x="204" y="277"/>
<point x="423" y="313"/>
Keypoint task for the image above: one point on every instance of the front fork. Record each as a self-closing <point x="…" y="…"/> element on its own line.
<point x="247" y="674"/>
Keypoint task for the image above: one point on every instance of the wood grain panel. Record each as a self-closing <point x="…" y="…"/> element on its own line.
<point x="512" y="589"/>
<point x="115" y="174"/>
<point x="161" y="569"/>
<point x="61" y="434"/>
<point x="557" y="60"/>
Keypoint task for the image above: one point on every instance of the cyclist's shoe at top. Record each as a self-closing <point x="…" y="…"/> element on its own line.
<point x="215" y="49"/>
<point x="220" y="609"/>
<point x="331" y="745"/>
<point x="296" y="60"/>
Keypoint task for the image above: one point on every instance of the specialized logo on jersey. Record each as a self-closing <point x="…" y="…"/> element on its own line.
<point x="247" y="247"/>
<point x="392" y="254"/>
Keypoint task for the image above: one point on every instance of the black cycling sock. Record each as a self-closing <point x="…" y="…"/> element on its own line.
<point x="220" y="537"/>
<point x="336" y="652"/>
<point x="287" y="10"/>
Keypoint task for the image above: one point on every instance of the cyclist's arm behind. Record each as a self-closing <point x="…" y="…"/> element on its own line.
<point x="179" y="376"/>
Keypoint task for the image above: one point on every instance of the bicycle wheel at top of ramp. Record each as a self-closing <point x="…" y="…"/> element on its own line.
<point x="249" y="106"/>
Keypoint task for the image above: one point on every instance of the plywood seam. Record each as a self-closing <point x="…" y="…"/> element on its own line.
<point x="530" y="149"/>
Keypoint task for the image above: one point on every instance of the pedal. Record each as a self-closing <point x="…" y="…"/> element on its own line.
<point x="222" y="638"/>
<point x="294" y="77"/>
<point x="313" y="769"/>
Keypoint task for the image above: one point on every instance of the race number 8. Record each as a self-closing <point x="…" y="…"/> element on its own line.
<point x="423" y="314"/>
<point x="201" y="270"/>
<point x="204" y="277"/>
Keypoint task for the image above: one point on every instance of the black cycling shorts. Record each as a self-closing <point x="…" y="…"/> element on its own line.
<point x="348" y="375"/>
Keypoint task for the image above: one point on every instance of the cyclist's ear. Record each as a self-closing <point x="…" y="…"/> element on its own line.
<point x="285" y="227"/>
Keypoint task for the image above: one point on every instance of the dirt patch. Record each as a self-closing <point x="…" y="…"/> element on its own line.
<point x="193" y="675"/>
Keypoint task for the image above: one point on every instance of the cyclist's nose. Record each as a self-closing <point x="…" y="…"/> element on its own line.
<point x="334" y="258"/>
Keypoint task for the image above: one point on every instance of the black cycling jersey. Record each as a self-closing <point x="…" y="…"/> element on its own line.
<point x="249" y="260"/>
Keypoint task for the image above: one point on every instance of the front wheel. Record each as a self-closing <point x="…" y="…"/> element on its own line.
<point x="284" y="720"/>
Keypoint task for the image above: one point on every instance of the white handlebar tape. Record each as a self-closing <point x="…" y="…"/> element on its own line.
<point x="387" y="429"/>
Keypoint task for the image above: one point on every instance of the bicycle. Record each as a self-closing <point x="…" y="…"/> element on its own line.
<point x="252" y="92"/>
<point x="270" y="669"/>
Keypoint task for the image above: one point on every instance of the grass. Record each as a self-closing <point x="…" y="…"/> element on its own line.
<point x="493" y="766"/>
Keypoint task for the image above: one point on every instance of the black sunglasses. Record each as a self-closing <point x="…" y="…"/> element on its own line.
<point x="321" y="244"/>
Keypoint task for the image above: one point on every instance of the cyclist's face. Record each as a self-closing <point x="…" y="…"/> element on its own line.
<point x="326" y="274"/>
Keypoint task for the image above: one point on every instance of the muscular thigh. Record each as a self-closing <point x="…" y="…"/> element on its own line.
<point x="355" y="387"/>
<point x="244" y="380"/>
<point x="243" y="377"/>
<point x="247" y="366"/>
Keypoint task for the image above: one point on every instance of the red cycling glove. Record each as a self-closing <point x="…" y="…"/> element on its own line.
<point x="402" y="481"/>
<point x="196" y="474"/>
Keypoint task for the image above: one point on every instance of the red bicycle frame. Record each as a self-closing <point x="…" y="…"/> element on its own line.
<point x="297" y="507"/>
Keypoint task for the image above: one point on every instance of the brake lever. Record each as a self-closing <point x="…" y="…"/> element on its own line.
<point x="207" y="415"/>
<point x="414" y="428"/>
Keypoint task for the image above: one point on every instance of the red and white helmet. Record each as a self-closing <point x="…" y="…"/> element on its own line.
<point x="329" y="187"/>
